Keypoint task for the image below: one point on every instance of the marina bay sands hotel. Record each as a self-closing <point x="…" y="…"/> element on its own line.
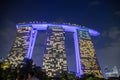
<point x="54" y="58"/>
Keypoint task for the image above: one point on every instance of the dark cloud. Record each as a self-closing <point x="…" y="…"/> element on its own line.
<point x="117" y="13"/>
<point x="109" y="55"/>
<point x="7" y="30"/>
<point x="7" y="35"/>
<point x="112" y="33"/>
<point x="94" y="3"/>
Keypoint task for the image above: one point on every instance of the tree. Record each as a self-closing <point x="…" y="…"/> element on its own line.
<point x="71" y="76"/>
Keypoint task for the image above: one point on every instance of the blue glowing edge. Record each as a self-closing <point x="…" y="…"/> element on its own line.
<point x="68" y="28"/>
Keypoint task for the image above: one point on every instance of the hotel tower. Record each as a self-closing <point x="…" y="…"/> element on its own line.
<point x="54" y="58"/>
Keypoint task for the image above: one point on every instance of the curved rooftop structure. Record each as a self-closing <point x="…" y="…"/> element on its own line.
<point x="66" y="27"/>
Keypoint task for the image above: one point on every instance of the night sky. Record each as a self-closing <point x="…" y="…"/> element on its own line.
<point x="101" y="15"/>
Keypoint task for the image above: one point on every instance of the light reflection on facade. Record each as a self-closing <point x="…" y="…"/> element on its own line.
<point x="54" y="62"/>
<point x="88" y="60"/>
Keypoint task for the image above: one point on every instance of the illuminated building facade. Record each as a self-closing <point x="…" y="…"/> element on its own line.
<point x="112" y="72"/>
<point x="88" y="60"/>
<point x="22" y="46"/>
<point x="54" y="59"/>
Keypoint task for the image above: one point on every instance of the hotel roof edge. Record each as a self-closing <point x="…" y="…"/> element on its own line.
<point x="66" y="26"/>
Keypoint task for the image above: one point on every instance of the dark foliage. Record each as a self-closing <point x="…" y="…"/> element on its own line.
<point x="21" y="73"/>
